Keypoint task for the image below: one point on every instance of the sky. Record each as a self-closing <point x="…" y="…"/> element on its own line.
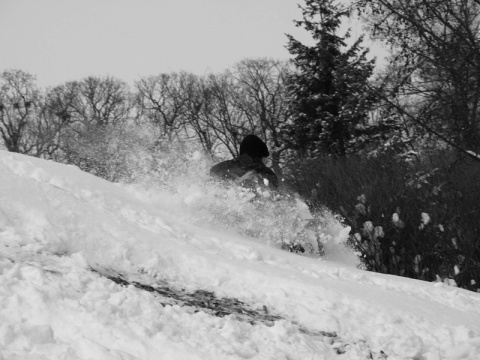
<point x="93" y="270"/>
<point x="63" y="40"/>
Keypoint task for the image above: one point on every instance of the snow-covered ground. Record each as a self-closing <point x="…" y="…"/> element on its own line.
<point x="70" y="243"/>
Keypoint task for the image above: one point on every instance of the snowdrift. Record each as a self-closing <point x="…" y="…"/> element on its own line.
<point x="94" y="270"/>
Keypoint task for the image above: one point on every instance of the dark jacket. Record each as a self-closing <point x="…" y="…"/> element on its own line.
<point x="236" y="168"/>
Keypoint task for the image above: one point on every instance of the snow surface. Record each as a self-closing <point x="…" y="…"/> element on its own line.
<point x="57" y="224"/>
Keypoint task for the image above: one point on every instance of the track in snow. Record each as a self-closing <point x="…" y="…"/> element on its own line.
<point x="208" y="302"/>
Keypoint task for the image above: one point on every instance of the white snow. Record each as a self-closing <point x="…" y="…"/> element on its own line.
<point x="425" y="218"/>
<point x="57" y="224"/>
<point x="473" y="154"/>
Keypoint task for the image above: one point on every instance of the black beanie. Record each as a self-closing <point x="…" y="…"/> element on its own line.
<point x="254" y="147"/>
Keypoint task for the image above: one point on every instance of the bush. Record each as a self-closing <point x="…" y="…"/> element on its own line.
<point x="418" y="220"/>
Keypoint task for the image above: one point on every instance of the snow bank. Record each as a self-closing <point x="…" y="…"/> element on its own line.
<point x="57" y="224"/>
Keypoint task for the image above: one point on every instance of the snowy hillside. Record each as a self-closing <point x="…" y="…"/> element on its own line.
<point x="94" y="270"/>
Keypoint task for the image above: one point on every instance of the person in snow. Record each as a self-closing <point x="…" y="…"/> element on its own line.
<point x="249" y="169"/>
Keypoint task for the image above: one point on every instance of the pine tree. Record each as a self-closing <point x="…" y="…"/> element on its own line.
<point x="329" y="90"/>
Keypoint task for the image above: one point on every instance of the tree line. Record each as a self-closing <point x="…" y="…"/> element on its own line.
<point x="326" y="100"/>
<point x="216" y="111"/>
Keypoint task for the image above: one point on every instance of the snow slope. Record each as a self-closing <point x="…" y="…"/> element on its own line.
<point x="65" y="235"/>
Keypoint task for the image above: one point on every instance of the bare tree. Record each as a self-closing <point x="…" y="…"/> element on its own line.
<point x="228" y="122"/>
<point x="93" y="115"/>
<point x="437" y="44"/>
<point x="99" y="101"/>
<point x="18" y="110"/>
<point x="263" y="100"/>
<point x="198" y="111"/>
<point x="161" y="100"/>
<point x="213" y="114"/>
<point x="46" y="131"/>
<point x="251" y="98"/>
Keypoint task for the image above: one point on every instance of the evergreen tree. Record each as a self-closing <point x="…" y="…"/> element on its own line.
<point x="329" y="90"/>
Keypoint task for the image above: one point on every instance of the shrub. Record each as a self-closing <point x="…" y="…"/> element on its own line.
<point x="418" y="220"/>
